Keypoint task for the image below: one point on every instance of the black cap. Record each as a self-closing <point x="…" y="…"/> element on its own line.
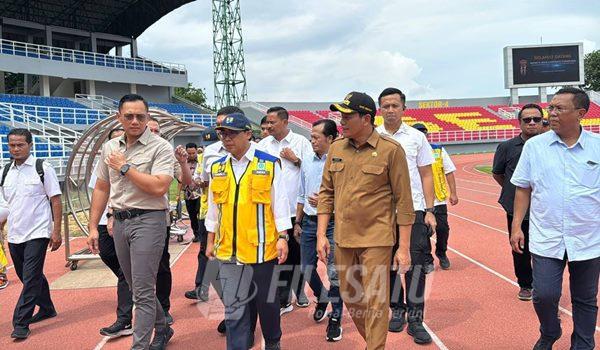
<point x="209" y="137"/>
<point x="545" y="122"/>
<point x="420" y="127"/>
<point x="356" y="102"/>
<point x="235" y="121"/>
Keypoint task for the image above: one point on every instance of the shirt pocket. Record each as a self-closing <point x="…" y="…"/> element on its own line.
<point x="142" y="164"/>
<point x="33" y="187"/>
<point x="261" y="189"/>
<point x="220" y="188"/>
<point x="337" y="170"/>
<point x="372" y="177"/>
<point x="589" y="174"/>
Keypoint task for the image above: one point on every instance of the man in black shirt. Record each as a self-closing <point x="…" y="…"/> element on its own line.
<point x="505" y="161"/>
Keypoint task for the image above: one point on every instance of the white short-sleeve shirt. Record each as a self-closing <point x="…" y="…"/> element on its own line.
<point x="449" y="167"/>
<point x="418" y="154"/>
<point x="30" y="215"/>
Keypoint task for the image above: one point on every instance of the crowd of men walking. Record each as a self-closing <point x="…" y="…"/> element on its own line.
<point x="365" y="204"/>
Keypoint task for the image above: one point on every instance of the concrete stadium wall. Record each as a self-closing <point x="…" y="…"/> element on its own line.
<point x="159" y="94"/>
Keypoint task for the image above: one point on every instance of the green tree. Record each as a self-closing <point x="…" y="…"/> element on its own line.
<point x="196" y="95"/>
<point x="592" y="70"/>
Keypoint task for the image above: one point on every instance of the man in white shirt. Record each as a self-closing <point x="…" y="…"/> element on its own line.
<point x="291" y="148"/>
<point x="392" y="103"/>
<point x="33" y="193"/>
<point x="559" y="175"/>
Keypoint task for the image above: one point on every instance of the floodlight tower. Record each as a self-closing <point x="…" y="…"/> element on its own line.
<point x="228" y="53"/>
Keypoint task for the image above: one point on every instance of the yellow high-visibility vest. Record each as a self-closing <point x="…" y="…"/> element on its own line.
<point x="246" y="229"/>
<point x="440" y="184"/>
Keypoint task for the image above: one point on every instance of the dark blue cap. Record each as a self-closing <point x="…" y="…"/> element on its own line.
<point x="210" y="136"/>
<point x="235" y="121"/>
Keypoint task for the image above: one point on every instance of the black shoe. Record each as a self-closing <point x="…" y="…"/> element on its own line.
<point x="117" y="329"/>
<point x="334" y="330"/>
<point x="272" y="345"/>
<point x="428" y="268"/>
<point x="195" y="239"/>
<point x="193" y="295"/>
<point x="161" y="339"/>
<point x="545" y="343"/>
<point x="20" y="333"/>
<point x="284" y="309"/>
<point x="444" y="262"/>
<point x="168" y="318"/>
<point x="40" y="316"/>
<point x="302" y="301"/>
<point x="398" y="321"/>
<point x="419" y="333"/>
<point x="221" y="327"/>
<point x="320" y="312"/>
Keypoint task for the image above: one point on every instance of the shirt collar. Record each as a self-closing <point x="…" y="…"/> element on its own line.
<point x="402" y="130"/>
<point x="316" y="157"/>
<point x="581" y="141"/>
<point x="287" y="137"/>
<point x="371" y="141"/>
<point x="143" y="139"/>
<point x="249" y="155"/>
<point x="29" y="161"/>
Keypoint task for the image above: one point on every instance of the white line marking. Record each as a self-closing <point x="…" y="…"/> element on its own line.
<point x="478" y="173"/>
<point x="435" y="338"/>
<point x="479" y="223"/>
<point x="484" y="204"/>
<point x="470" y="189"/>
<point x="501" y="276"/>
<point x="105" y="339"/>
<point x="493" y="184"/>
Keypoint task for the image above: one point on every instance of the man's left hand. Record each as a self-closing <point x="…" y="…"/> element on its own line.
<point x="181" y="155"/>
<point x="55" y="241"/>
<point x="453" y="199"/>
<point x="430" y="221"/>
<point x="282" y="251"/>
<point x="288" y="154"/>
<point x="116" y="160"/>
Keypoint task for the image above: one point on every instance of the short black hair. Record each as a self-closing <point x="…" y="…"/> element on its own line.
<point x="227" y="110"/>
<point x="282" y="113"/>
<point x="329" y="127"/>
<point x="263" y="120"/>
<point x="111" y="133"/>
<point x="580" y="97"/>
<point x="530" y="106"/>
<point x="392" y="91"/>
<point x="132" y="98"/>
<point x="191" y="145"/>
<point x="21" y="132"/>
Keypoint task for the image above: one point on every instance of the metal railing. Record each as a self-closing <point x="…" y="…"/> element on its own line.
<point x="62" y="115"/>
<point x="202" y="119"/>
<point x="99" y="102"/>
<point x="485" y="135"/>
<point x="17" y="48"/>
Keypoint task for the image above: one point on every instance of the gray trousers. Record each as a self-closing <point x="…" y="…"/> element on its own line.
<point x="139" y="243"/>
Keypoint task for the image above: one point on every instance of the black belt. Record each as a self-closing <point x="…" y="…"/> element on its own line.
<point x="314" y="218"/>
<point x="132" y="213"/>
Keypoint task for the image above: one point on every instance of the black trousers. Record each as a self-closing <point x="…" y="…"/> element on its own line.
<point x="164" y="278"/>
<point x="193" y="208"/>
<point x="291" y="276"/>
<point x="420" y="246"/>
<point x="522" y="262"/>
<point x="28" y="259"/>
<point x="442" y="229"/>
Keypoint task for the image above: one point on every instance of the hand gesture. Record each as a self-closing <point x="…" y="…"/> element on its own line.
<point x="115" y="160"/>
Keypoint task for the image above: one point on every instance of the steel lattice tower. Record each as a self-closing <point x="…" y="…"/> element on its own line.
<point x="228" y="53"/>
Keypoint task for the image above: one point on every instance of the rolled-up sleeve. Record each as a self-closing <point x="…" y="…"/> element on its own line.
<point x="302" y="185"/>
<point x="102" y="167"/>
<point x="164" y="161"/>
<point x="522" y="175"/>
<point x="280" y="207"/>
<point x="326" y="192"/>
<point x="211" y="220"/>
<point x="400" y="183"/>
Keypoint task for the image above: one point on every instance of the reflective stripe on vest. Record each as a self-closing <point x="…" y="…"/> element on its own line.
<point x="439" y="176"/>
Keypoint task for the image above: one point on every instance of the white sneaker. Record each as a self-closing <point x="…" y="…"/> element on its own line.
<point x="285" y="309"/>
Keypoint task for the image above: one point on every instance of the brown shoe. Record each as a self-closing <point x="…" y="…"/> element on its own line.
<point x="525" y="294"/>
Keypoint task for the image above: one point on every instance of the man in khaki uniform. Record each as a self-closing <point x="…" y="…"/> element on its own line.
<point x="366" y="183"/>
<point x="135" y="170"/>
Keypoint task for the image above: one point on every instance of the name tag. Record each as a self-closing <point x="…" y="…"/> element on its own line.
<point x="261" y="172"/>
<point x="220" y="175"/>
<point x="336" y="160"/>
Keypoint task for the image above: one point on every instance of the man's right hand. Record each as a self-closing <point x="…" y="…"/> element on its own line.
<point x="517" y="240"/>
<point x="210" y="250"/>
<point x="109" y="225"/>
<point x="323" y="248"/>
<point x="92" y="241"/>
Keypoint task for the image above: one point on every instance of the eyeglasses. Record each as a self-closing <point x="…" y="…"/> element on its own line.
<point x="529" y="119"/>
<point x="230" y="133"/>
<point x="559" y="110"/>
<point x="139" y="117"/>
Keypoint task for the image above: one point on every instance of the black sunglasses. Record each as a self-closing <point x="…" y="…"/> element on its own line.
<point x="529" y="119"/>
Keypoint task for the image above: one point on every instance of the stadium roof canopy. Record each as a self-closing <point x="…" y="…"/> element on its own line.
<point x="128" y="18"/>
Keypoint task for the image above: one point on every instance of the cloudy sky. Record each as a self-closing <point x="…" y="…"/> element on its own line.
<point x="318" y="50"/>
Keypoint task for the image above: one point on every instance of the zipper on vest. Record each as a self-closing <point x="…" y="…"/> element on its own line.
<point x="235" y="207"/>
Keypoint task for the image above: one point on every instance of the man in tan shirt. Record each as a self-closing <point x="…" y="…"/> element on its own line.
<point x="366" y="183"/>
<point x="135" y="170"/>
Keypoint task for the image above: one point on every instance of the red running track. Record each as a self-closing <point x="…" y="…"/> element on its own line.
<point x="471" y="306"/>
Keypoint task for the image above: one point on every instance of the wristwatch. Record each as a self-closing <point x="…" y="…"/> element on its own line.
<point x="124" y="169"/>
<point x="284" y="236"/>
<point x="429" y="210"/>
<point x="109" y="215"/>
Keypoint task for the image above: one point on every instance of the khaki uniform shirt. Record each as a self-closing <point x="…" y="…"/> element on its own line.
<point x="369" y="189"/>
<point x="150" y="154"/>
